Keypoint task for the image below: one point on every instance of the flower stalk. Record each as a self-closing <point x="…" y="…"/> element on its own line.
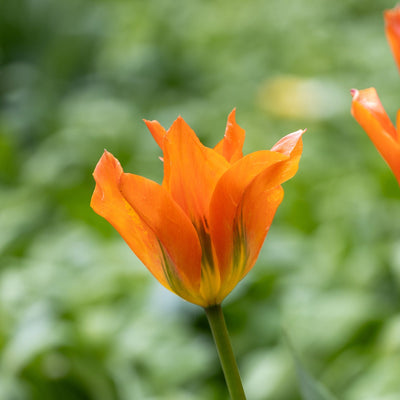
<point x="223" y="343"/>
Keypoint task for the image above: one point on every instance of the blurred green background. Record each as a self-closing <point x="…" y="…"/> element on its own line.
<point x="80" y="317"/>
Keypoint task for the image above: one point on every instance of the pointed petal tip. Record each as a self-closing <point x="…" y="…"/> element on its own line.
<point x="296" y="135"/>
<point x="178" y="121"/>
<point x="107" y="156"/>
<point x="179" y="124"/>
<point x="157" y="131"/>
<point x="354" y="93"/>
<point x="149" y="123"/>
<point x="300" y="132"/>
<point x="107" y="162"/>
<point x="289" y="143"/>
<point x="232" y="117"/>
<point x="106" y="153"/>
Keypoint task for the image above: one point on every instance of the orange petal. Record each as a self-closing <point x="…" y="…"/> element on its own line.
<point x="368" y="111"/>
<point x="191" y="170"/>
<point x="262" y="198"/>
<point x="291" y="145"/>
<point x="256" y="213"/>
<point x="258" y="222"/>
<point x="108" y="202"/>
<point x="157" y="131"/>
<point x="266" y="169"/>
<point x="172" y="228"/>
<point x="392" y="29"/>
<point x="231" y="145"/>
<point x="227" y="196"/>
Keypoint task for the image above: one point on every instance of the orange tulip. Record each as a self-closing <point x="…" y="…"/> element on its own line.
<point x="200" y="232"/>
<point x="367" y="109"/>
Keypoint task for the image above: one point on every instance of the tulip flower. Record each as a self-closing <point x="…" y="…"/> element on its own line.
<point x="367" y="109"/>
<point x="199" y="232"/>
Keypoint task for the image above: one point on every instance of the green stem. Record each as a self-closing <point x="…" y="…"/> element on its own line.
<point x="225" y="352"/>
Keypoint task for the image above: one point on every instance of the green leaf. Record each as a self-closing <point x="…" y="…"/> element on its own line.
<point x="310" y="388"/>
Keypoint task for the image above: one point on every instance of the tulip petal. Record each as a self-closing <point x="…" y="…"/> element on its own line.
<point x="258" y="172"/>
<point x="255" y="216"/>
<point x="230" y="147"/>
<point x="227" y="196"/>
<point x="157" y="131"/>
<point x="259" y="220"/>
<point x="223" y="207"/>
<point x="171" y="226"/>
<point x="392" y="29"/>
<point x="368" y="111"/>
<point x="291" y="145"/>
<point x="191" y="170"/>
<point x="108" y="201"/>
<point x="261" y="199"/>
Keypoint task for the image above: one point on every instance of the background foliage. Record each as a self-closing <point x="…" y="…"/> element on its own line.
<point x="80" y="317"/>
